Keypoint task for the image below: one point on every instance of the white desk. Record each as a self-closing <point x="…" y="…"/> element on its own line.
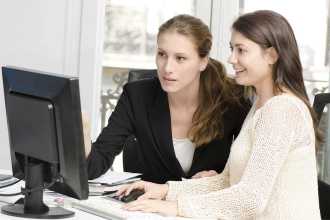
<point x="79" y="215"/>
<point x="49" y="200"/>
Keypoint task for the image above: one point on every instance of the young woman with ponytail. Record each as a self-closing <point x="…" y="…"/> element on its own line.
<point x="183" y="122"/>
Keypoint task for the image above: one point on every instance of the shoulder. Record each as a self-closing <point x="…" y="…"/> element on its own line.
<point x="143" y="92"/>
<point x="143" y="86"/>
<point x="284" y="102"/>
<point x="146" y="89"/>
<point x="285" y="107"/>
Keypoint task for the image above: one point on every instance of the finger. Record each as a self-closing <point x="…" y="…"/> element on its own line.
<point x="135" y="208"/>
<point x="133" y="205"/>
<point x="122" y="190"/>
<point x="149" y="210"/>
<point x="199" y="174"/>
<point x="210" y="173"/>
<point x="137" y="185"/>
<point x="213" y="172"/>
<point x="145" y="196"/>
<point x="196" y="176"/>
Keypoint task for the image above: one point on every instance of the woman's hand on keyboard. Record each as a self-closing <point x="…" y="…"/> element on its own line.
<point x="168" y="208"/>
<point x="151" y="190"/>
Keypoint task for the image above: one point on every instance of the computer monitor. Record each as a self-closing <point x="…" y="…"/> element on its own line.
<point x="46" y="139"/>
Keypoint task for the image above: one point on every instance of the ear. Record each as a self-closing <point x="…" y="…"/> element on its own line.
<point x="203" y="63"/>
<point x="272" y="55"/>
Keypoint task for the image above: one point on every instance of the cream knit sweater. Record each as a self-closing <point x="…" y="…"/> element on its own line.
<point x="270" y="174"/>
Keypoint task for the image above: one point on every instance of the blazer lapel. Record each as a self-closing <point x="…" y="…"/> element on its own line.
<point x="160" y="123"/>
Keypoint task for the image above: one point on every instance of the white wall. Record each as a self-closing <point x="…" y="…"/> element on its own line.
<point x="90" y="60"/>
<point x="47" y="35"/>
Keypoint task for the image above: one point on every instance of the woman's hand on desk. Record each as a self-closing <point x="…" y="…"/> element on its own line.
<point x="205" y="173"/>
<point x="151" y="190"/>
<point x="168" y="208"/>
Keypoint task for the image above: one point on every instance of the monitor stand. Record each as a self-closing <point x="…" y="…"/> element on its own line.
<point x="32" y="206"/>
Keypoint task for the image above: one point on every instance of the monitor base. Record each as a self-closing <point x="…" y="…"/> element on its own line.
<point x="53" y="212"/>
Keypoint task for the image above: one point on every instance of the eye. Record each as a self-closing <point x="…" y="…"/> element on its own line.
<point x="161" y="54"/>
<point x="180" y="58"/>
<point x="241" y="50"/>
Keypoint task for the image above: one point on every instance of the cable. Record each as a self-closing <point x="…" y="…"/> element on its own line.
<point x="12" y="194"/>
<point x="10" y="184"/>
<point x="26" y="191"/>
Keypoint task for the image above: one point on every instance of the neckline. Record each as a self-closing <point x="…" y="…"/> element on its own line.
<point x="255" y="110"/>
<point x="180" y="139"/>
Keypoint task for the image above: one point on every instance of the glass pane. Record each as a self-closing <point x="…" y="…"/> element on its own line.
<point x="130" y="43"/>
<point x="131" y="28"/>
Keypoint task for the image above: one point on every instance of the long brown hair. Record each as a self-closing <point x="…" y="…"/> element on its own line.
<point x="217" y="91"/>
<point x="270" y="29"/>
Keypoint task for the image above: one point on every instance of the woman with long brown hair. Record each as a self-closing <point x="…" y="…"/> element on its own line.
<point x="182" y="122"/>
<point x="271" y="171"/>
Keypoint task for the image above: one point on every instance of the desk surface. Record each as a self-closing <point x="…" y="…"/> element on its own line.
<point x="49" y="200"/>
<point x="79" y="215"/>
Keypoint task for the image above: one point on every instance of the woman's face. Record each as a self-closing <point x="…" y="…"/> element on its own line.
<point x="178" y="62"/>
<point x="252" y="64"/>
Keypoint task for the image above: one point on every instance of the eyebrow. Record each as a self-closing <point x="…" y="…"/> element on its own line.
<point x="236" y="45"/>
<point x="175" y="53"/>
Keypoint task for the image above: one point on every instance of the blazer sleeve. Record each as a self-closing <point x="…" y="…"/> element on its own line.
<point x="112" y="138"/>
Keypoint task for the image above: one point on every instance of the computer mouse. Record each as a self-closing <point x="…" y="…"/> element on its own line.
<point x="133" y="195"/>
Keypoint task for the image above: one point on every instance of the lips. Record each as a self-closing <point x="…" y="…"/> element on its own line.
<point x="169" y="79"/>
<point x="239" y="71"/>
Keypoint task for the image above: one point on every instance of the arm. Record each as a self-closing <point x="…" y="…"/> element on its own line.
<point x="198" y="186"/>
<point x="275" y="130"/>
<point x="237" y="114"/>
<point x="112" y="138"/>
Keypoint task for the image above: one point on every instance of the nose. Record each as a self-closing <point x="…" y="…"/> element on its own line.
<point x="232" y="58"/>
<point x="169" y="65"/>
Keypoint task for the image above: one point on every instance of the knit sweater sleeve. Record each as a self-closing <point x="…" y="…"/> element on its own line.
<point x="198" y="186"/>
<point x="276" y="125"/>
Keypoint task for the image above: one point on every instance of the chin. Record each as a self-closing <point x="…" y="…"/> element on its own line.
<point x="242" y="82"/>
<point x="169" y="89"/>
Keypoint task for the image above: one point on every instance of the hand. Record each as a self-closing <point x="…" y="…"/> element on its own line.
<point x="205" y="173"/>
<point x="87" y="133"/>
<point x="151" y="190"/>
<point x="168" y="208"/>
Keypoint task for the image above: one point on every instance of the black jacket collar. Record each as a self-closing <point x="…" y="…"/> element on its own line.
<point x="160" y="122"/>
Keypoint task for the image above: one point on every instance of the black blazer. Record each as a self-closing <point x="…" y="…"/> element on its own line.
<point x="141" y="121"/>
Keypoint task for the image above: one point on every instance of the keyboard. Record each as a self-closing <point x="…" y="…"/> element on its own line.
<point x="109" y="208"/>
<point x="105" y="207"/>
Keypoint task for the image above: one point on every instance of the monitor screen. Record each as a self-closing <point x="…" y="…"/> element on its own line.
<point x="46" y="137"/>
